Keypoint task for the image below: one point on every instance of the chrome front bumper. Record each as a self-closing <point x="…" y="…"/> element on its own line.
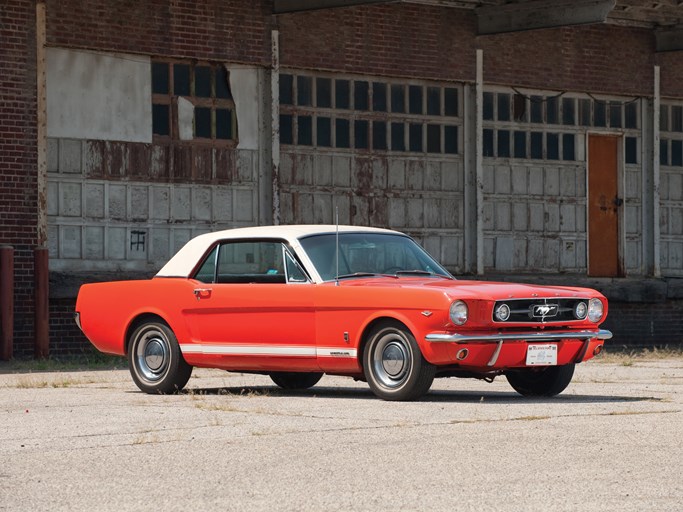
<point x="601" y="334"/>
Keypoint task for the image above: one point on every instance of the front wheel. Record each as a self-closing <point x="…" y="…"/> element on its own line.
<point x="394" y="366"/>
<point x="290" y="380"/>
<point x="548" y="381"/>
<point x="156" y="363"/>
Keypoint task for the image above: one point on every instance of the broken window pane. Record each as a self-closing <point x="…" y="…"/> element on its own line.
<point x="676" y="153"/>
<point x="536" y="106"/>
<point x="631" y="120"/>
<point x="451" y="140"/>
<point x="615" y="114"/>
<point x="379" y="135"/>
<point x="379" y="97"/>
<point x="360" y="95"/>
<point x="202" y="81"/>
<point x="202" y="122"/>
<point x="341" y="94"/>
<point x="160" y="78"/>
<point x="585" y="112"/>
<point x="433" y="138"/>
<point x="488" y="106"/>
<point x="488" y="142"/>
<point x="520" y="144"/>
<point x="434" y="101"/>
<point x="398" y="98"/>
<point x="631" y="150"/>
<point x="519" y="107"/>
<point x="568" y="116"/>
<point x="304" y="131"/>
<point x="398" y="141"/>
<point x="450" y="102"/>
<point x="286" y="132"/>
<point x="503" y="107"/>
<point x="415" y="136"/>
<point x="600" y="113"/>
<point x="342" y="130"/>
<point x="304" y="86"/>
<point x="181" y="79"/>
<point x="536" y="145"/>
<point x="286" y="90"/>
<point x="223" y="84"/>
<point x="568" y="147"/>
<point x="360" y="133"/>
<point x="323" y="92"/>
<point x="503" y="143"/>
<point x="160" y="121"/>
<point x="223" y="123"/>
<point x="551" y="107"/>
<point x="324" y="132"/>
<point x="415" y="99"/>
<point x="552" y="146"/>
<point x="677" y="119"/>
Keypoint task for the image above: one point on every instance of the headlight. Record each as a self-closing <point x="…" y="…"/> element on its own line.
<point x="580" y="310"/>
<point x="502" y="312"/>
<point x="595" y="310"/>
<point x="459" y="312"/>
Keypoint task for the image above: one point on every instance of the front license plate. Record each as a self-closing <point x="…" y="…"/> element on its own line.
<point x="541" y="355"/>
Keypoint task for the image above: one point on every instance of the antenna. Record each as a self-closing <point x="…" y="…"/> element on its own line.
<point x="336" y="256"/>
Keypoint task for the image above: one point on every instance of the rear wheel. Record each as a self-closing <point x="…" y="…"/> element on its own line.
<point x="156" y="363"/>
<point x="290" y="380"/>
<point x="548" y="381"/>
<point x="394" y="366"/>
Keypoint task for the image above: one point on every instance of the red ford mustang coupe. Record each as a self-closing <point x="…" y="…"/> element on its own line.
<point x="295" y="302"/>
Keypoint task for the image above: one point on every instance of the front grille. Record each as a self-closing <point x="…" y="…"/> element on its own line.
<point x="540" y="311"/>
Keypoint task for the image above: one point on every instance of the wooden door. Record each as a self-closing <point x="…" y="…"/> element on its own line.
<point x="604" y="206"/>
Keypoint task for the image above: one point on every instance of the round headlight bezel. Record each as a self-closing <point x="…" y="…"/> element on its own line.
<point x="502" y="313"/>
<point x="581" y="310"/>
<point x="595" y="310"/>
<point x="459" y="312"/>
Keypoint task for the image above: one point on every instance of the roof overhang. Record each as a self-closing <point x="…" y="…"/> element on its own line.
<point x="285" y="6"/>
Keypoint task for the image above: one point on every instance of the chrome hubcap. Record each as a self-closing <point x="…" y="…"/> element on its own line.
<point x="152" y="353"/>
<point x="391" y="359"/>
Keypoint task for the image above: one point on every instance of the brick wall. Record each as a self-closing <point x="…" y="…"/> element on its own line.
<point x="639" y="324"/>
<point x="18" y="160"/>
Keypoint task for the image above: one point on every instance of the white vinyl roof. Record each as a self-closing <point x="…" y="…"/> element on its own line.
<point x="186" y="259"/>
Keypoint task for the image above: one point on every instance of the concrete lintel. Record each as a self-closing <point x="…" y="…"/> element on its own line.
<point x="669" y="39"/>
<point x="535" y="14"/>
<point x="285" y="6"/>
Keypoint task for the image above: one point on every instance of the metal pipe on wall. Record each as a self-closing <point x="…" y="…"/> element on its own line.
<point x="42" y="305"/>
<point x="6" y="302"/>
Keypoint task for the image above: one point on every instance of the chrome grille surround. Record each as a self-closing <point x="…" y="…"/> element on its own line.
<point x="540" y="310"/>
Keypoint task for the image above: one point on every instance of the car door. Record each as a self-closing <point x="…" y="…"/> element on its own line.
<point x="253" y="308"/>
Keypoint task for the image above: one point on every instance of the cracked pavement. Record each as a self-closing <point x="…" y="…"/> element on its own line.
<point x="91" y="441"/>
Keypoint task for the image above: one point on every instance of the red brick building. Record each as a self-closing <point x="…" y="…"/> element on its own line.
<point x="534" y="140"/>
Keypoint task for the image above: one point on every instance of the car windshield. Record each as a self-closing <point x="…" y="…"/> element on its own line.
<point x="369" y="254"/>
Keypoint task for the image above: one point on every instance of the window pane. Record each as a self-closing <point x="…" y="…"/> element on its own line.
<point x="676" y="150"/>
<point x="520" y="144"/>
<point x="379" y="97"/>
<point x="433" y="138"/>
<point x="286" y="90"/>
<point x="286" y="132"/>
<point x="677" y="119"/>
<point x="552" y="146"/>
<point x="398" y="98"/>
<point x="202" y="122"/>
<point x="160" y="121"/>
<point x="181" y="79"/>
<point x="551" y="106"/>
<point x="304" y="85"/>
<point x="664" y="118"/>
<point x="488" y="142"/>
<point x="415" y="135"/>
<point x="342" y="139"/>
<point x="398" y="137"/>
<point x="434" y="101"/>
<point x="519" y="107"/>
<point x="503" y="107"/>
<point x="207" y="272"/>
<point x="536" y="105"/>
<point x="536" y="145"/>
<point x="615" y="114"/>
<point x="568" y="116"/>
<point x="451" y="140"/>
<point x="304" y="131"/>
<point x="160" y="78"/>
<point x="223" y="84"/>
<point x="341" y="94"/>
<point x="631" y="115"/>
<point x="415" y="99"/>
<point x="223" y="123"/>
<point x="568" y="147"/>
<point x="599" y="113"/>
<point x="664" y="152"/>
<point x="324" y="132"/>
<point x="323" y="92"/>
<point x="631" y="150"/>
<point x="585" y="112"/>
<point x="379" y="135"/>
<point x="360" y="95"/>
<point x="503" y="143"/>
<point x="450" y="101"/>
<point x="360" y="133"/>
<point x="488" y="106"/>
<point x="202" y="81"/>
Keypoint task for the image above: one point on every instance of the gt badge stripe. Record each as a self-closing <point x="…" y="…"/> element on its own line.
<point x="265" y="350"/>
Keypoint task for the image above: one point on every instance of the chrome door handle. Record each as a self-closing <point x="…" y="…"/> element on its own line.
<point x="202" y="293"/>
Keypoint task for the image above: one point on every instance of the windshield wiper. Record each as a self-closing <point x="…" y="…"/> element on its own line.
<point x="364" y="274"/>
<point x="417" y="272"/>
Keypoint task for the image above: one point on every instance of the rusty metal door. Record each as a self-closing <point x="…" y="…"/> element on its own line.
<point x="603" y="206"/>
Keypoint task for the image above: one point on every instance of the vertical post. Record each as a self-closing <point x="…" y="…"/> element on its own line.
<point x="656" y="233"/>
<point x="42" y="311"/>
<point x="6" y="302"/>
<point x="42" y="124"/>
<point x="479" y="162"/>
<point x="275" y="121"/>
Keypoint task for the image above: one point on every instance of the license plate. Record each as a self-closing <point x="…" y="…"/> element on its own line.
<point x="541" y="355"/>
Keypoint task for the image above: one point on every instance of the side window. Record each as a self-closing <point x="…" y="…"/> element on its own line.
<point x="207" y="272"/>
<point x="251" y="262"/>
<point x="295" y="273"/>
